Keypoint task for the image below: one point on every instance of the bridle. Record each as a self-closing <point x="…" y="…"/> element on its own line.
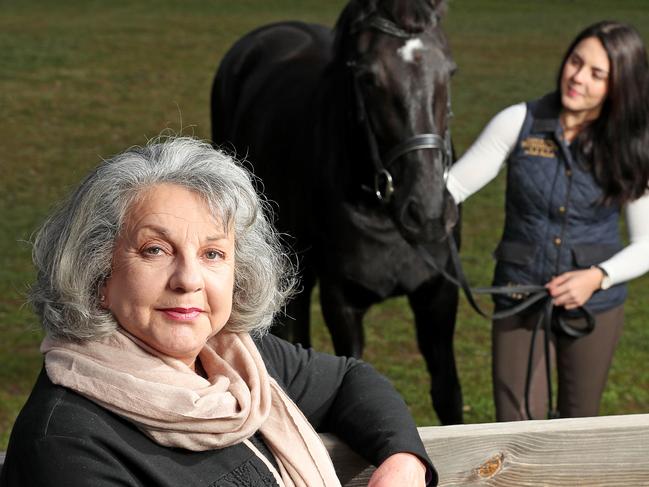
<point x="383" y="181"/>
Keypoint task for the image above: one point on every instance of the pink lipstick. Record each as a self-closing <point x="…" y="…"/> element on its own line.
<point x="182" y="314"/>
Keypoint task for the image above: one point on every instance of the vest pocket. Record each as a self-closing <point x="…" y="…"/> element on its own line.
<point x="513" y="252"/>
<point x="586" y="255"/>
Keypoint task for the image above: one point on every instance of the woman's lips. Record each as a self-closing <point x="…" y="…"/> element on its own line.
<point x="182" y="314"/>
<point x="571" y="92"/>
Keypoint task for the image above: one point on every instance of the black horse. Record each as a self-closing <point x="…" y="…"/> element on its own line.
<point x="348" y="132"/>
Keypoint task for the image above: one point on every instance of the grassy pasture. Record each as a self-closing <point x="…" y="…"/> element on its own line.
<point x="81" y="80"/>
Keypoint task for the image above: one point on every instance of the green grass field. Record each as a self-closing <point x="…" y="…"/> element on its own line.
<point x="84" y="79"/>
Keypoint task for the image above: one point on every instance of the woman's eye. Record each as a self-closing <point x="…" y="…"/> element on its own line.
<point x="213" y="255"/>
<point x="598" y="75"/>
<point x="153" y="251"/>
<point x="575" y="60"/>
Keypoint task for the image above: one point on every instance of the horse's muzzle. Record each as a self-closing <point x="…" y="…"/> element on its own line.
<point x="417" y="227"/>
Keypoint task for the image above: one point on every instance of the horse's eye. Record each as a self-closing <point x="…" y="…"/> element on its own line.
<point x="367" y="78"/>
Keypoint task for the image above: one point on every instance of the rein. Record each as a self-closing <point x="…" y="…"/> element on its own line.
<point x="536" y="294"/>
<point x="383" y="182"/>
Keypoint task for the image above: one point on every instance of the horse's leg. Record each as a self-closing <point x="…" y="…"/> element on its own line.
<point x="343" y="318"/>
<point x="434" y="305"/>
<point x="294" y="324"/>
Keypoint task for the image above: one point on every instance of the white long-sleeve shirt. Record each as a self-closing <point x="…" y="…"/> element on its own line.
<point x="485" y="158"/>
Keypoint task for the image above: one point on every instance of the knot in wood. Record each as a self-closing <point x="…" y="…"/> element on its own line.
<point x="491" y="467"/>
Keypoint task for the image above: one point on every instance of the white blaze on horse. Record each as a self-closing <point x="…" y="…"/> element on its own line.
<point x="408" y="51"/>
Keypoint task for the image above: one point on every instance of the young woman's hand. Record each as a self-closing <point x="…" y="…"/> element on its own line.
<point x="399" y="469"/>
<point x="572" y="289"/>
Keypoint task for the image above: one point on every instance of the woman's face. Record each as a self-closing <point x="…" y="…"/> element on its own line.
<point x="584" y="80"/>
<point x="173" y="273"/>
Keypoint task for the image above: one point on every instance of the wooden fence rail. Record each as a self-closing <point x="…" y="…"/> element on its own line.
<point x="603" y="451"/>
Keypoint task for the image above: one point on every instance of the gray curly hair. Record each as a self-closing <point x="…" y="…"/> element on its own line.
<point x="74" y="248"/>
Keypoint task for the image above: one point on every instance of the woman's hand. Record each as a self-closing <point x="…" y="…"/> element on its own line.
<point x="572" y="289"/>
<point x="400" y="469"/>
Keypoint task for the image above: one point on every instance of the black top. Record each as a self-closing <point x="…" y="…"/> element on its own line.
<point x="63" y="439"/>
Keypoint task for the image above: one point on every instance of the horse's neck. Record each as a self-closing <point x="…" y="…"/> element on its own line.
<point x="340" y="147"/>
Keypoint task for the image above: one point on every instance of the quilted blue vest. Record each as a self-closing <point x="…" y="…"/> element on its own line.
<point x="554" y="220"/>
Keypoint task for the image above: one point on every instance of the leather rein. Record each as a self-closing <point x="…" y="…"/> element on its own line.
<point x="550" y="319"/>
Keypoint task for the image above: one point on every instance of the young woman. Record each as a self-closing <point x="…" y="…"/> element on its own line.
<point x="575" y="158"/>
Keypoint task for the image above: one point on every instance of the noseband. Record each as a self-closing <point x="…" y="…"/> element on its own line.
<point x="383" y="182"/>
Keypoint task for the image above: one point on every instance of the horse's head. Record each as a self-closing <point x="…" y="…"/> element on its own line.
<point x="400" y="65"/>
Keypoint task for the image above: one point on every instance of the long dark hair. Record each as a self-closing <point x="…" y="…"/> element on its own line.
<point x="616" y="145"/>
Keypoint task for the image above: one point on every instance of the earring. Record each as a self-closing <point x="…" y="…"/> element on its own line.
<point x="102" y="298"/>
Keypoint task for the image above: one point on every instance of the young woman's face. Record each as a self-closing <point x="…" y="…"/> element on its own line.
<point x="173" y="273"/>
<point x="584" y="80"/>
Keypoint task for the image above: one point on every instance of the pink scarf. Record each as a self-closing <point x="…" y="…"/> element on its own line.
<point x="176" y="407"/>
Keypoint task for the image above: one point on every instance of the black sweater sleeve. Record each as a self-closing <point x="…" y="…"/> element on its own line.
<point x="346" y="397"/>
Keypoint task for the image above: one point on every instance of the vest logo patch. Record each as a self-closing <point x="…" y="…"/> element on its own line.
<point x="534" y="146"/>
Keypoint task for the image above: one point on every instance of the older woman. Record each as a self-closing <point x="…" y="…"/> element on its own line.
<point x="157" y="282"/>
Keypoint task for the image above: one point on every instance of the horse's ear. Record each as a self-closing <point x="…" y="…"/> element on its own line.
<point x="352" y="16"/>
<point x="440" y="7"/>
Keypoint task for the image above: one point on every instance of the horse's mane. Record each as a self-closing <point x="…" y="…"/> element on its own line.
<point x="410" y="15"/>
